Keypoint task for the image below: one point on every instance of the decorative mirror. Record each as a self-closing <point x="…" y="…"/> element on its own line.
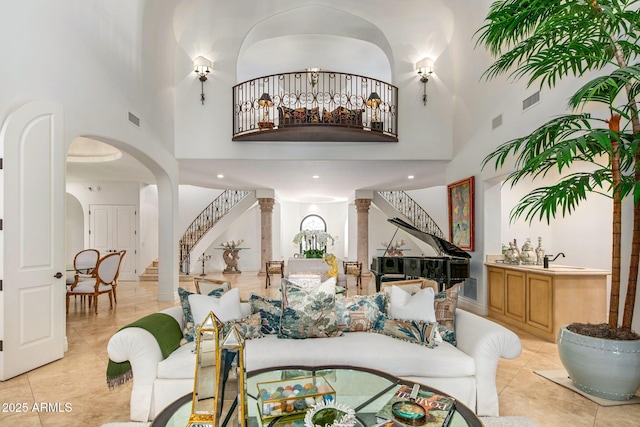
<point x="234" y="375"/>
<point x="207" y="372"/>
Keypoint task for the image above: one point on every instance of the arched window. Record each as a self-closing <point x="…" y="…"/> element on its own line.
<point x="311" y="222"/>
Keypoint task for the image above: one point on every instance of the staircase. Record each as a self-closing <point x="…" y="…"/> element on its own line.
<point x="151" y="274"/>
<point x="399" y="204"/>
<point x="217" y="213"/>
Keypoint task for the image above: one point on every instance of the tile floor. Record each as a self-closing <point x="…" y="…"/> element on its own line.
<point x="79" y="378"/>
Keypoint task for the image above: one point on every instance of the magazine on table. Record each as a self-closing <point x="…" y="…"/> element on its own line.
<point x="414" y="407"/>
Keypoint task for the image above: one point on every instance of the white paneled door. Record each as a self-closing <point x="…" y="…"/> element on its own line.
<point x="112" y="228"/>
<point x="32" y="240"/>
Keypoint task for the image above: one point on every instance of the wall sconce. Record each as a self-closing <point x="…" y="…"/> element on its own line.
<point x="265" y="102"/>
<point x="312" y="76"/>
<point x="202" y="67"/>
<point x="424" y="69"/>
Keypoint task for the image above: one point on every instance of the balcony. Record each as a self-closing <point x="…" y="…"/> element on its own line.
<point x="315" y="105"/>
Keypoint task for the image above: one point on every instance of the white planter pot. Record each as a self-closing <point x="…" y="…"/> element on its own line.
<point x="601" y="367"/>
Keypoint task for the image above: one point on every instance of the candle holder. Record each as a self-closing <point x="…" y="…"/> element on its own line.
<point x="204" y="258"/>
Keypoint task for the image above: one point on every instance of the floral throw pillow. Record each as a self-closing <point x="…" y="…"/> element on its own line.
<point x="250" y="327"/>
<point x="270" y="311"/>
<point x="188" y="331"/>
<point x="445" y="304"/>
<point x="360" y="313"/>
<point x="309" y="314"/>
<point x="415" y="331"/>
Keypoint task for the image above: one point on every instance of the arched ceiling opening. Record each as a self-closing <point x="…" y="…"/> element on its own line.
<point x="315" y="36"/>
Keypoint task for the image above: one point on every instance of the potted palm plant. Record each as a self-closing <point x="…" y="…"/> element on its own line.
<point x="546" y="41"/>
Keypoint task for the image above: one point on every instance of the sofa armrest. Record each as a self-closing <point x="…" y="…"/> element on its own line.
<point x="141" y="349"/>
<point x="486" y="342"/>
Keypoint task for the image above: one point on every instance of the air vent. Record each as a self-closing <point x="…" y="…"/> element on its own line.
<point x="530" y="101"/>
<point x="497" y="121"/>
<point x="134" y="119"/>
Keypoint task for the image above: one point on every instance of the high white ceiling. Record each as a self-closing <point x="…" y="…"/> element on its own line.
<point x="291" y="179"/>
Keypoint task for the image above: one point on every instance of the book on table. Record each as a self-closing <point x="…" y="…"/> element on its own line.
<point x="414" y="407"/>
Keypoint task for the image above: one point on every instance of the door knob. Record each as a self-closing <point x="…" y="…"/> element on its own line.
<point x="58" y="275"/>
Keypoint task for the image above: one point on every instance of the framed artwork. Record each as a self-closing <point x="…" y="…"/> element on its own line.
<point x="461" y="202"/>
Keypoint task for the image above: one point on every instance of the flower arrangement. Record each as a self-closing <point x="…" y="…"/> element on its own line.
<point x="231" y="244"/>
<point x="315" y="242"/>
<point x="314" y="239"/>
<point x="394" y="246"/>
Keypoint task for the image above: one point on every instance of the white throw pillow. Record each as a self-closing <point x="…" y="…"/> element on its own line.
<point x="226" y="308"/>
<point x="419" y="306"/>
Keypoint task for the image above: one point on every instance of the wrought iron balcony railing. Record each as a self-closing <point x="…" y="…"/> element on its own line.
<point x="315" y="106"/>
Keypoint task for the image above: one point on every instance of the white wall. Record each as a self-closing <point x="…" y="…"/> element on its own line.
<point x="74" y="225"/>
<point x="217" y="29"/>
<point x="102" y="61"/>
<point x="193" y="200"/>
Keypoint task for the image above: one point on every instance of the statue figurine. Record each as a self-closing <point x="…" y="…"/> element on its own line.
<point x="528" y="255"/>
<point x="539" y="252"/>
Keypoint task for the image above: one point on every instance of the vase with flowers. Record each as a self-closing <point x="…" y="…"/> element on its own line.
<point x="313" y="242"/>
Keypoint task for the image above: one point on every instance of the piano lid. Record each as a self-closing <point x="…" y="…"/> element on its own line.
<point x="440" y="245"/>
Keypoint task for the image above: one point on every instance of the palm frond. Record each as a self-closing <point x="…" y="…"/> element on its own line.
<point x="549" y="39"/>
<point x="561" y="198"/>
<point x="605" y="89"/>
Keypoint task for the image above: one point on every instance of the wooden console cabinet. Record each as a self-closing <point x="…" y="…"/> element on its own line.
<point x="540" y="300"/>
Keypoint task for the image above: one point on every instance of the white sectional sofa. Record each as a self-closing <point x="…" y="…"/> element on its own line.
<point x="467" y="371"/>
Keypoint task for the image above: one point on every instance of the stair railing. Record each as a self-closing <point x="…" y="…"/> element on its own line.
<point x="413" y="211"/>
<point x="205" y="221"/>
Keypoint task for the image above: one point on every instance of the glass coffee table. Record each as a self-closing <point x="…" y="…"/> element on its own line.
<point x="366" y="391"/>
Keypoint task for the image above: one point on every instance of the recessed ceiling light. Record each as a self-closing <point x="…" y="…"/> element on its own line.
<point x="410" y="177"/>
<point x="220" y="175"/>
<point x="315" y="176"/>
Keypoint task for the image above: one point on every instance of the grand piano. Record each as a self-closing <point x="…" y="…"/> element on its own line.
<point x="448" y="268"/>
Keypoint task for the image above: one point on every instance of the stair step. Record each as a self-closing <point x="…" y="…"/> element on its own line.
<point x="154" y="278"/>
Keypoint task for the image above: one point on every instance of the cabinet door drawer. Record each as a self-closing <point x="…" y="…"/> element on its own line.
<point x="540" y="302"/>
<point x="515" y="301"/>
<point x="496" y="290"/>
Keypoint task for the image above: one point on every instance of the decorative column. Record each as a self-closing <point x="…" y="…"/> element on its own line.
<point x="362" y="207"/>
<point x="266" y="231"/>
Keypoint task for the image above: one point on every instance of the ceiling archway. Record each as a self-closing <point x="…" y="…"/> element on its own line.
<point x="315" y="36"/>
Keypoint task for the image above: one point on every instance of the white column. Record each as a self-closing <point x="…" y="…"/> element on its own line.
<point x="266" y="232"/>
<point x="362" y="208"/>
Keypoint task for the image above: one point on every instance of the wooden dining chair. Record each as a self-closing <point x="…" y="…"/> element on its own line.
<point x="84" y="263"/>
<point x="102" y="283"/>
<point x="122" y="253"/>
<point x="273" y="267"/>
<point x="352" y="268"/>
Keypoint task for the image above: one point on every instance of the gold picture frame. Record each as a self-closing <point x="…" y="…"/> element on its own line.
<point x="461" y="202"/>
